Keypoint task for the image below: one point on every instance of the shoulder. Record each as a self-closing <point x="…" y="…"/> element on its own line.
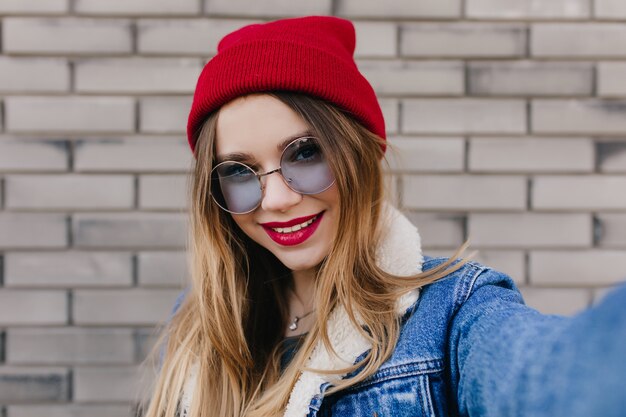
<point x="458" y="286"/>
<point x="426" y="324"/>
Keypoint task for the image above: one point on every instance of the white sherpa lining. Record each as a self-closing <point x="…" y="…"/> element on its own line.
<point x="400" y="253"/>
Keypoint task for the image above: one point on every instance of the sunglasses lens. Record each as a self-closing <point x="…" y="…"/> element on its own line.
<point x="304" y="167"/>
<point x="235" y="187"/>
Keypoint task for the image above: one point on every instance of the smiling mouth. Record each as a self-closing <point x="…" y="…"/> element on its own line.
<point x="296" y="227"/>
<point x="296" y="234"/>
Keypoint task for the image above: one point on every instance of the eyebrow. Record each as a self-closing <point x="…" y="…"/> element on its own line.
<point x="243" y="156"/>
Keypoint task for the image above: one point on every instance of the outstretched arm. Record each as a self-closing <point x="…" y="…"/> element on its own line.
<point x="509" y="360"/>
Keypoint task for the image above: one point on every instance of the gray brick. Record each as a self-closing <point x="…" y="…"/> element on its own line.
<point x="528" y="9"/>
<point x="184" y="36"/>
<point x="528" y="78"/>
<point x="34" y="75"/>
<point x="71" y="410"/>
<point x="390" y="187"/>
<point x="400" y="8"/>
<point x="611" y="156"/>
<point x="129" y="230"/>
<point x="163" y="192"/>
<point x="611" y="77"/>
<point x="456" y="192"/>
<point x="610" y="9"/>
<point x="579" y="268"/>
<point x="439" y="229"/>
<point x="100" y="384"/>
<point x="166" y="269"/>
<point x="613" y="231"/>
<point x="510" y="262"/>
<point x="34" y="6"/>
<point x="376" y="39"/>
<point x="454" y="116"/>
<point x="133" y="154"/>
<point x="70" y="346"/>
<point x="578" y="40"/>
<point x="390" y="113"/>
<point x="531" y="154"/>
<point x="442" y="253"/>
<point x="414" y="77"/>
<point x="66" y="36"/>
<point x="32" y="307"/>
<point x="164" y="114"/>
<point x="561" y="301"/>
<point x="69" y="191"/>
<point x="422" y="154"/>
<point x="32" y="154"/>
<point x="19" y="385"/>
<point x="132" y="307"/>
<point x="579" y="193"/>
<point x="146" y="341"/>
<point x="530" y="230"/>
<point x="462" y="39"/>
<point x="137" y="75"/>
<point x="579" y="116"/>
<point x="28" y="230"/>
<point x="67" y="269"/>
<point x="268" y="8"/>
<point x="69" y="114"/>
<point x="600" y="293"/>
<point x="138" y="7"/>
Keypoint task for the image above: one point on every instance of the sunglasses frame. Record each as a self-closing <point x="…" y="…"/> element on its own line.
<point x="260" y="175"/>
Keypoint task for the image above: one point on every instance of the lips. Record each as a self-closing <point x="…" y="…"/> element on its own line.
<point x="290" y="223"/>
<point x="294" y="237"/>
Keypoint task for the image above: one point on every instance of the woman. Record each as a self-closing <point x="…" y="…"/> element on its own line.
<point x="310" y="294"/>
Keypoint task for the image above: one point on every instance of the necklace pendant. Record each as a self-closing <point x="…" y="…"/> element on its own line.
<point x="294" y="324"/>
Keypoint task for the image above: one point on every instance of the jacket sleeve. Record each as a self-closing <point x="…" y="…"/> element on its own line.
<point x="507" y="359"/>
<point x="175" y="308"/>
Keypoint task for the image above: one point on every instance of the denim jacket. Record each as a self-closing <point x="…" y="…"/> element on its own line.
<point x="469" y="346"/>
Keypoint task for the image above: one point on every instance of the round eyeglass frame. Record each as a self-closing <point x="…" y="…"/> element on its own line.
<point x="260" y="175"/>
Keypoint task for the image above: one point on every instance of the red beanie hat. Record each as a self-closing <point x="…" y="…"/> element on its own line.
<point x="312" y="55"/>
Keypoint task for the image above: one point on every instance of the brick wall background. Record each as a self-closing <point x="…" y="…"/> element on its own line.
<point x="508" y="117"/>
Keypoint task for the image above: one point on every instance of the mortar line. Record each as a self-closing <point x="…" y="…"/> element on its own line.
<point x="70" y="307"/>
<point x="529" y="186"/>
<point x="333" y="7"/>
<point x="3" y="196"/>
<point x="135" y="269"/>
<point x="3" y="345"/>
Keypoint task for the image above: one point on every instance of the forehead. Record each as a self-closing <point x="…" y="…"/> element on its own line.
<point x="255" y="124"/>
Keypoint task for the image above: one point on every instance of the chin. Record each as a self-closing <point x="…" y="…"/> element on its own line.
<point x="300" y="263"/>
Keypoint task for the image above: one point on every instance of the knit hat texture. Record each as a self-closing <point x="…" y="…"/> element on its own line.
<point x="311" y="55"/>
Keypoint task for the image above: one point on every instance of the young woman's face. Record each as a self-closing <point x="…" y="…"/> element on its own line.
<point x="256" y="125"/>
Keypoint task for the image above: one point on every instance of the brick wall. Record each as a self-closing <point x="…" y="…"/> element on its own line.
<point x="508" y="120"/>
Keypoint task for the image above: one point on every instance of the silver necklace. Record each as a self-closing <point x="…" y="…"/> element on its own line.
<point x="294" y="324"/>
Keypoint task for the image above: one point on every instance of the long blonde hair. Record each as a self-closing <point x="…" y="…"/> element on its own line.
<point x="228" y="324"/>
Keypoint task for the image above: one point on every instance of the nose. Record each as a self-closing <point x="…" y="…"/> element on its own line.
<point x="277" y="196"/>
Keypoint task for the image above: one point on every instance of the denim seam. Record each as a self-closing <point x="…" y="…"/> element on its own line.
<point x="425" y="389"/>
<point x="467" y="281"/>
<point x="433" y="366"/>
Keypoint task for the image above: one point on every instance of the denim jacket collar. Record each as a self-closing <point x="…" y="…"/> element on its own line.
<point x="400" y="253"/>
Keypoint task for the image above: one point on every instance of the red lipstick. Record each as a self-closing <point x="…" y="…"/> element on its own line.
<point x="295" y="237"/>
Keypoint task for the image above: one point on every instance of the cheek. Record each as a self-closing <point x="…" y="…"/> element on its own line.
<point x="244" y="222"/>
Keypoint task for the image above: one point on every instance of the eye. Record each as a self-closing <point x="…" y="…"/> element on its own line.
<point x="307" y="150"/>
<point x="234" y="171"/>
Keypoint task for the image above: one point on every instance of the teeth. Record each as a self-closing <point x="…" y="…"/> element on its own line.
<point x="294" y="228"/>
